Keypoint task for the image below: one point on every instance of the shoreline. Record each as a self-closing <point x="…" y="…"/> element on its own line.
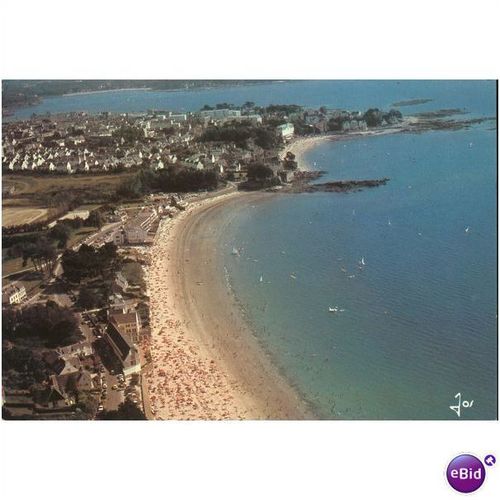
<point x="206" y="366"/>
<point x="302" y="145"/>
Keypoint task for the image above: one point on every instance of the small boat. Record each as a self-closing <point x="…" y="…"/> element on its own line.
<point x="389" y="223"/>
<point x="235" y="251"/>
<point x="467" y="229"/>
<point x="343" y="269"/>
<point x="261" y="279"/>
<point x="335" y="309"/>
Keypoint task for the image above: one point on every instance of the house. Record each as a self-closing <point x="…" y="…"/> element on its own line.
<point x="13" y="294"/>
<point x="119" y="237"/>
<point x="82" y="349"/>
<point x="76" y="382"/>
<point x="54" y="396"/>
<point x="120" y="282"/>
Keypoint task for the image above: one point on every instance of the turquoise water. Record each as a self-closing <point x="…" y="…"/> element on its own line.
<point x="419" y="319"/>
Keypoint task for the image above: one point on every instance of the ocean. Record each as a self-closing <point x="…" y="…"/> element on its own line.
<point x="415" y="325"/>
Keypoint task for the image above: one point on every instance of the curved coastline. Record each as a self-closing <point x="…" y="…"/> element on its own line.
<point x="218" y="354"/>
<point x="206" y="362"/>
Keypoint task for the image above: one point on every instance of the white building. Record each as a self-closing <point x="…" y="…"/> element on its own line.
<point x="285" y="131"/>
<point x="218" y="114"/>
<point x="13" y="294"/>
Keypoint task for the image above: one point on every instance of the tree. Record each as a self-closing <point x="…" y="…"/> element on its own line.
<point x="61" y="232"/>
<point x="373" y="117"/>
<point x="87" y="299"/>
<point x="95" y="219"/>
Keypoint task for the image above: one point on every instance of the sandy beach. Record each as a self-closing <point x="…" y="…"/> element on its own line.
<point x="206" y="364"/>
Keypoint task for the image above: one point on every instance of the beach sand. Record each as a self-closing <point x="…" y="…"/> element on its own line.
<point x="206" y="364"/>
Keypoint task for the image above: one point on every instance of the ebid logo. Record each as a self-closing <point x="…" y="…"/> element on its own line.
<point x="466" y="473"/>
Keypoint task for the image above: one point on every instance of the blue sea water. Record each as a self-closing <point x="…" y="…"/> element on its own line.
<point x="477" y="97"/>
<point x="419" y="323"/>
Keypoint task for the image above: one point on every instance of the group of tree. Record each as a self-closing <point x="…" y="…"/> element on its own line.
<point x="126" y="411"/>
<point x="259" y="176"/>
<point x="40" y="253"/>
<point x="129" y="134"/>
<point x="220" y="105"/>
<point x="89" y="262"/>
<point x="23" y="367"/>
<point x="241" y="135"/>
<point x="49" y="323"/>
<point x="374" y="117"/>
<point x="170" y="179"/>
<point x="90" y="298"/>
<point x="259" y="172"/>
<point x="283" y="109"/>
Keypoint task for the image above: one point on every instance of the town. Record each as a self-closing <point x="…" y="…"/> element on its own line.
<point x="83" y="197"/>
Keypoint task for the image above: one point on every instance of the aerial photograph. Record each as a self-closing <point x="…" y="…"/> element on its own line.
<point x="249" y="250"/>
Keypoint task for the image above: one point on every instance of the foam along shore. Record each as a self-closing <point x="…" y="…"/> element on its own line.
<point x="206" y="363"/>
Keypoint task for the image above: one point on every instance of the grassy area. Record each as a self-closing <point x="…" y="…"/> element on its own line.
<point x="30" y="184"/>
<point x="13" y="216"/>
<point x="15" y="265"/>
<point x="10" y="266"/>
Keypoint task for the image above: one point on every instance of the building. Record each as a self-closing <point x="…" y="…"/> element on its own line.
<point x="219" y="114"/>
<point x="285" y="131"/>
<point x="134" y="235"/>
<point x="136" y="231"/>
<point x="124" y="347"/>
<point x="127" y="322"/>
<point x="13" y="294"/>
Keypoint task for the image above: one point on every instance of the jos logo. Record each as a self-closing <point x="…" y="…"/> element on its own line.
<point x="466" y="473"/>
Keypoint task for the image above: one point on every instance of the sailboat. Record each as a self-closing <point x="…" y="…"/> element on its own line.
<point x="389" y="222"/>
<point x="362" y="261"/>
<point x="467" y="229"/>
<point x="261" y="279"/>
